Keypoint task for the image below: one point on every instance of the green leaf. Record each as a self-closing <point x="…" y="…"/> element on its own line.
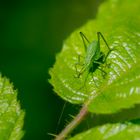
<point x="117" y="131"/>
<point x="119" y="22"/>
<point x="11" y="115"/>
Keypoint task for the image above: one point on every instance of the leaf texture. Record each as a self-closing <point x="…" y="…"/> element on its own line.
<point x="11" y="115"/>
<point x="117" y="131"/>
<point x="119" y="22"/>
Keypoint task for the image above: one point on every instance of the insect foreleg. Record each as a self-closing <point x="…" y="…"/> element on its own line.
<point x="85" y="80"/>
<point x="94" y="79"/>
<point x="80" y="64"/>
<point x="103" y="72"/>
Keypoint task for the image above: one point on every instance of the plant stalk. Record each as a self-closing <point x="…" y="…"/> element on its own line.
<point x="75" y="122"/>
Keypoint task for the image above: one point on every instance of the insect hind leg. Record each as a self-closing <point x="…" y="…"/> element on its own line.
<point x="99" y="34"/>
<point x="84" y="38"/>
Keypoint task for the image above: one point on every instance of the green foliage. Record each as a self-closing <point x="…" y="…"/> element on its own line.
<point x="111" y="132"/>
<point x="11" y="116"/>
<point x="119" y="22"/>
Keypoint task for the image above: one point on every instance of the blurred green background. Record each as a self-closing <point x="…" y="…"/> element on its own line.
<point x="31" y="33"/>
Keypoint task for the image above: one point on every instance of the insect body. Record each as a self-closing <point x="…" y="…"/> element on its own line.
<point x="94" y="57"/>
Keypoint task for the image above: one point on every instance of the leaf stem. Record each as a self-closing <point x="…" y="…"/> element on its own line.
<point x="75" y="122"/>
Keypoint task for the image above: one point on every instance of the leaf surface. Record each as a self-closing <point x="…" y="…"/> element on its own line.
<point x="11" y="115"/>
<point x="119" y="22"/>
<point x="111" y="132"/>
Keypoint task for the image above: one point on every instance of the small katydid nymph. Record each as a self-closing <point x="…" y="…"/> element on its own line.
<point x="94" y="58"/>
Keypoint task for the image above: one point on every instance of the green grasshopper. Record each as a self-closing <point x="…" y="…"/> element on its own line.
<point x="94" y="58"/>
